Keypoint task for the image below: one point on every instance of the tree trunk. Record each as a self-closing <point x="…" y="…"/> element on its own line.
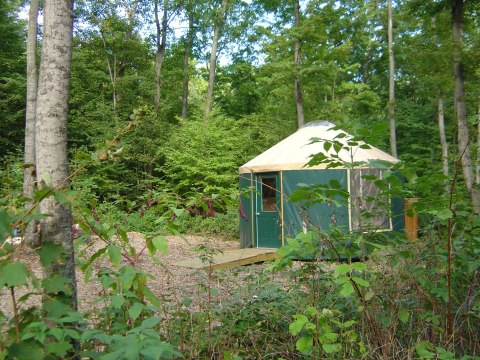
<point x="477" y="177"/>
<point x="186" y="56"/>
<point x="391" y="83"/>
<point x="29" y="151"/>
<point x="51" y="134"/>
<point x="213" y="57"/>
<point x="131" y="13"/>
<point x="443" y="141"/>
<point x="160" y="55"/>
<point x="460" y="105"/>
<point x="298" y="81"/>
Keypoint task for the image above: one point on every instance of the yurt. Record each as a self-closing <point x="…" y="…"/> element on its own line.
<point x="268" y="217"/>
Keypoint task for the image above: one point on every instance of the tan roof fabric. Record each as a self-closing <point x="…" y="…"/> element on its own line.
<point x="295" y="151"/>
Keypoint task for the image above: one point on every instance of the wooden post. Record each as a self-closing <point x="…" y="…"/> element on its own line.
<point x="411" y="219"/>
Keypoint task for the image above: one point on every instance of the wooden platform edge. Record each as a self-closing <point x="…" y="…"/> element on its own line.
<point x="222" y="261"/>
<point x="245" y="261"/>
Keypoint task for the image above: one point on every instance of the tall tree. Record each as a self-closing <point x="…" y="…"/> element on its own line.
<point x="186" y="59"/>
<point x="51" y="135"/>
<point x="461" y="107"/>
<point x="391" y="82"/>
<point x="219" y="20"/>
<point x="298" y="81"/>
<point x="161" y="40"/>
<point x="443" y="139"/>
<point x="29" y="148"/>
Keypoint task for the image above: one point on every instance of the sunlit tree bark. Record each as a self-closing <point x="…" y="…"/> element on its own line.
<point x="161" y="45"/>
<point x="443" y="139"/>
<point x="391" y="83"/>
<point x="186" y="58"/>
<point x="213" y="56"/>
<point x="51" y="132"/>
<point x="29" y="150"/>
<point x="460" y="106"/>
<point x="298" y="81"/>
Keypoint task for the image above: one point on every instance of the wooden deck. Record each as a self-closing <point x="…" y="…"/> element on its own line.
<point x="231" y="258"/>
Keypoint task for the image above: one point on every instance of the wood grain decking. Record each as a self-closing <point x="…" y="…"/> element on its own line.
<point x="231" y="258"/>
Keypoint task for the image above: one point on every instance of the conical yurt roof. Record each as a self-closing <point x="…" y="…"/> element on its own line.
<point x="293" y="152"/>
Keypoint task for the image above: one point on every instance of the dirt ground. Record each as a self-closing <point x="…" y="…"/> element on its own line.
<point x="169" y="282"/>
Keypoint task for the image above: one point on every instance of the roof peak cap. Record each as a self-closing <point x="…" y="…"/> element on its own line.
<point x="317" y="124"/>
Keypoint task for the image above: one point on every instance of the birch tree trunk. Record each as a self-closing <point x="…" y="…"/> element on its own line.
<point x="298" y="81"/>
<point x="160" y="55"/>
<point x="213" y="56"/>
<point x="460" y="106"/>
<point x="29" y="151"/>
<point x="186" y="57"/>
<point x="443" y="140"/>
<point x="51" y="134"/>
<point x="391" y="83"/>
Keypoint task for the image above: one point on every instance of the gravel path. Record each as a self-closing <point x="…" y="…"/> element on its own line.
<point x="170" y="283"/>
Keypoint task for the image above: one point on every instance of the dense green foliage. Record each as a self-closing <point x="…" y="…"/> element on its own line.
<point x="140" y="169"/>
<point x="12" y="79"/>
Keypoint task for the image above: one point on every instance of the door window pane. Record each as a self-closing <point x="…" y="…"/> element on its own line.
<point x="269" y="194"/>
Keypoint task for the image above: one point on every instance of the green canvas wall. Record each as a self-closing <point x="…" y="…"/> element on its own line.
<point x="321" y="215"/>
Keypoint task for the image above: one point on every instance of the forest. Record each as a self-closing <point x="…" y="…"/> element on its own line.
<point x="134" y="116"/>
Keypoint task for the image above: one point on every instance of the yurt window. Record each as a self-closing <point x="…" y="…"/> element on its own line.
<point x="369" y="209"/>
<point x="269" y="194"/>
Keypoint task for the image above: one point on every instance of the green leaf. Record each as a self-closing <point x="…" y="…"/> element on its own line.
<point x="59" y="348"/>
<point x="341" y="269"/>
<point x="115" y="254"/>
<point x="348" y="323"/>
<point x="328" y="338"/>
<point x="327" y="145"/>
<point x="123" y="235"/>
<point x="150" y="296"/>
<point x="56" y="308"/>
<point x="13" y="274"/>
<point x="347" y="289"/>
<point x="294" y="243"/>
<point x="443" y="354"/>
<point x="331" y="348"/>
<point x="25" y="350"/>
<point x="284" y="251"/>
<point x="297" y="326"/>
<point x="403" y="315"/>
<point x="60" y="197"/>
<point x="360" y="281"/>
<point x="305" y="344"/>
<point x="167" y="351"/>
<point x="443" y="214"/>
<point x="311" y="311"/>
<point x="178" y="212"/>
<point x="150" y="322"/>
<point x="359" y="266"/>
<point x="117" y="301"/>
<point x="161" y="244"/>
<point x="135" y="310"/>
<point x="57" y="283"/>
<point x="50" y="253"/>
<point x="342" y="280"/>
<point x="423" y="350"/>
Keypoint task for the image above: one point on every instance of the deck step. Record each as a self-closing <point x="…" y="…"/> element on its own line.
<point x="231" y="258"/>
